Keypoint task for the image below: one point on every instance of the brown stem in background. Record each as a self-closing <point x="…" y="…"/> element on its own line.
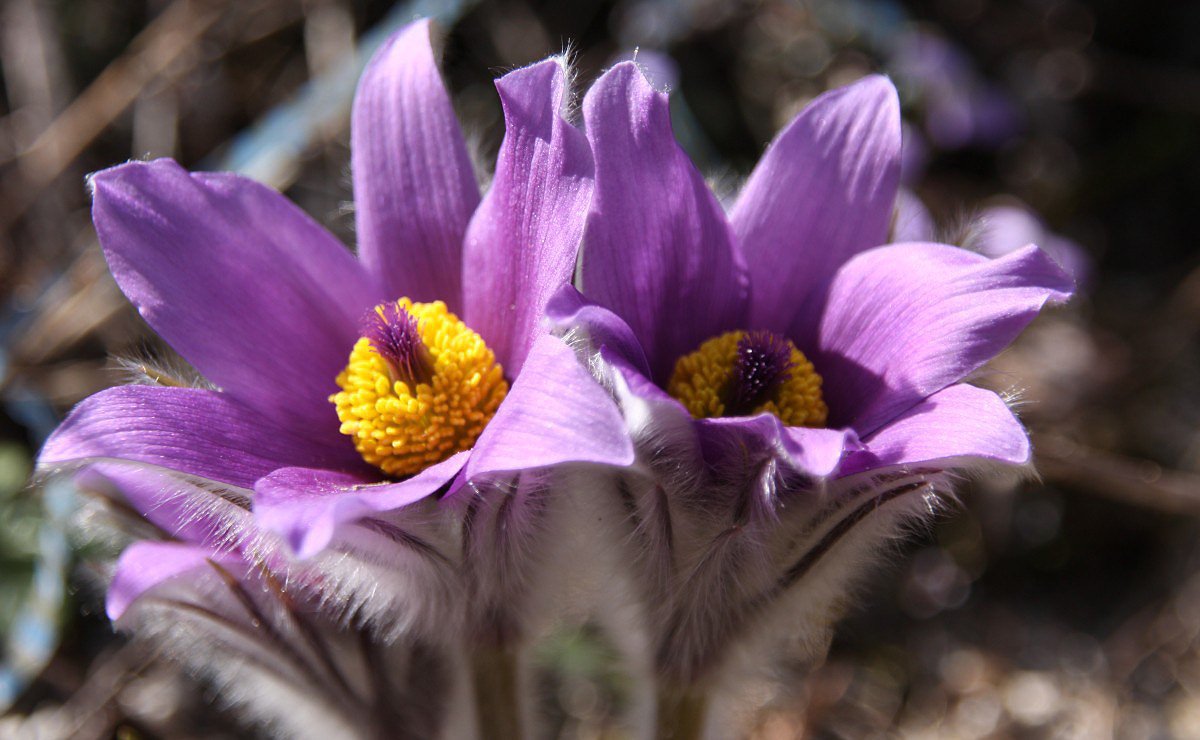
<point x="497" y="698"/>
<point x="681" y="713"/>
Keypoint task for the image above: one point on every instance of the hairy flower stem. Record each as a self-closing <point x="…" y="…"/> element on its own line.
<point x="497" y="699"/>
<point x="681" y="713"/>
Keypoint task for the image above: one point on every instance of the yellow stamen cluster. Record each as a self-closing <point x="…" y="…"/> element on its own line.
<point x="701" y="382"/>
<point x="402" y="429"/>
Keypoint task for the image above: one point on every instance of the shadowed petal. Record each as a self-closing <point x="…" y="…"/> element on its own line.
<point x="256" y="295"/>
<point x="145" y="565"/>
<point x="569" y="311"/>
<point x="813" y="452"/>
<point x="821" y="193"/>
<point x="659" y="252"/>
<point x="555" y="413"/>
<point x="961" y="421"/>
<point x="632" y="381"/>
<point x="193" y="431"/>
<point x="522" y="243"/>
<point x="306" y="506"/>
<point x="905" y="321"/>
<point x="414" y="187"/>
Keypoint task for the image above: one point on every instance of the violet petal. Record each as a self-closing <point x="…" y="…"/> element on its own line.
<point x="414" y="187"/>
<point x="570" y="311"/>
<point x="658" y="252"/>
<point x="1012" y="225"/>
<point x="907" y="320"/>
<point x="193" y="431"/>
<point x="522" y="244"/>
<point x="255" y="294"/>
<point x="812" y="452"/>
<point x="306" y="505"/>
<point x="146" y="564"/>
<point x="821" y="193"/>
<point x="555" y="413"/>
<point x="954" y="424"/>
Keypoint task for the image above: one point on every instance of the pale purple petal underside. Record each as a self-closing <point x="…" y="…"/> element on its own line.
<point x="659" y="251"/>
<point x="414" y="186"/>
<point x="522" y="243"/>
<point x="251" y="291"/>
<point x="812" y="452"/>
<point x="958" y="422"/>
<point x="907" y="320"/>
<point x="145" y="565"/>
<point x="821" y="193"/>
<point x="306" y="506"/>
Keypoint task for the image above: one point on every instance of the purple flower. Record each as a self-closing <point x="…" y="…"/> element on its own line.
<point x="753" y="467"/>
<point x="268" y="306"/>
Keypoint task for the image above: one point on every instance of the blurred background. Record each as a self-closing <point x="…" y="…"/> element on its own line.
<point x="1065" y="607"/>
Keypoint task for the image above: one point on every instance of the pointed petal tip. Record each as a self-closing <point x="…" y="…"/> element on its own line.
<point x="112" y="180"/>
<point x="628" y="67"/>
<point x="1046" y="272"/>
<point x="523" y="94"/>
<point x="629" y="73"/>
<point x="416" y="37"/>
<point x="515" y="87"/>
<point x="874" y="90"/>
<point x="876" y="84"/>
<point x="522" y="243"/>
<point x="906" y="344"/>
<point x="960" y="427"/>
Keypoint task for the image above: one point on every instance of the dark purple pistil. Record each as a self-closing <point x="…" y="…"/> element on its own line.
<point x="764" y="362"/>
<point x="396" y="337"/>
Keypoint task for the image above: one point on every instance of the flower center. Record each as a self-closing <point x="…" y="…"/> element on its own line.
<point x="741" y="373"/>
<point x="419" y="387"/>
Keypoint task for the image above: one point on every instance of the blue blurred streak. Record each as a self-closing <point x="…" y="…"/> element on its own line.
<point x="272" y="149"/>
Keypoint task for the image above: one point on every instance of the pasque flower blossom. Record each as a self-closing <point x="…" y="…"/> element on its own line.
<point x="338" y="390"/>
<point x="268" y="307"/>
<point x="783" y="373"/>
<point x="774" y="388"/>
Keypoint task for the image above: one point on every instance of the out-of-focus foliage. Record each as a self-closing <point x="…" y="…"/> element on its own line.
<point x="18" y="540"/>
